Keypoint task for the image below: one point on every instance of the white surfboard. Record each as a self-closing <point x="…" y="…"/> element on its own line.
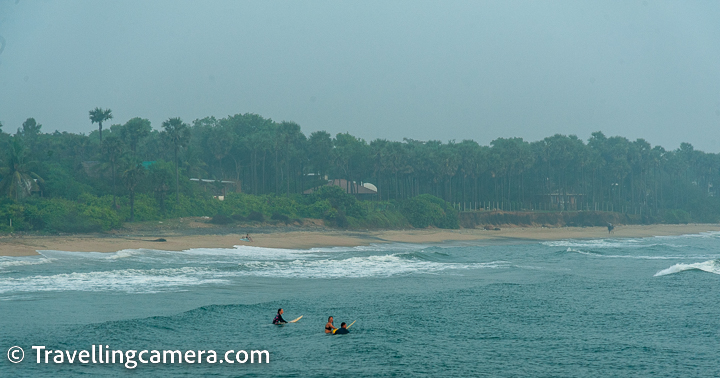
<point x="293" y="321"/>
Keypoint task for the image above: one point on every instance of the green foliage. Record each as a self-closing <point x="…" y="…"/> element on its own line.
<point x="20" y="215"/>
<point x="280" y="217"/>
<point x="677" y="216"/>
<point x="99" y="115"/>
<point x="703" y="209"/>
<point x="160" y="176"/>
<point x="160" y="179"/>
<point x="339" y="199"/>
<point x="192" y="206"/>
<point x="18" y="180"/>
<point x="134" y="131"/>
<point x="58" y="215"/>
<point x="321" y="209"/>
<point x="146" y="208"/>
<point x="62" y="184"/>
<point x="273" y="163"/>
<point x="30" y="128"/>
<point x="221" y="219"/>
<point x="282" y="205"/>
<point x="244" y="204"/>
<point x="380" y="219"/>
<point x="256" y="216"/>
<point x="427" y="210"/>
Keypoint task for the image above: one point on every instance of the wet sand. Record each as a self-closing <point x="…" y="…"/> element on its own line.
<point x="28" y="245"/>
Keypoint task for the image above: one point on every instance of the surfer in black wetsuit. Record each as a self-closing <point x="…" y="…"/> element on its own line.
<point x="610" y="227"/>
<point x="342" y="330"/>
<point x="278" y="318"/>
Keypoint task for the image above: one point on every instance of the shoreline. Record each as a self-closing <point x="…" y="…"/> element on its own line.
<point x="284" y="238"/>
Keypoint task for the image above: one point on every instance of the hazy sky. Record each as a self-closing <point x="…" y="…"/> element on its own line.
<point x="377" y="69"/>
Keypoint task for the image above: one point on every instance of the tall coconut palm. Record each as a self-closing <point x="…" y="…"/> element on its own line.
<point x="177" y="134"/>
<point x="113" y="149"/>
<point x="131" y="177"/>
<point x="18" y="181"/>
<point x="134" y="131"/>
<point x="220" y="142"/>
<point x="99" y="116"/>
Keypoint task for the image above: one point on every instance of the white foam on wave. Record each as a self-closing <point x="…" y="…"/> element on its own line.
<point x="15" y="297"/>
<point x="125" y="253"/>
<point x="69" y="255"/>
<point x="127" y="280"/>
<point x="244" y="251"/>
<point x="237" y="251"/>
<point x="196" y="273"/>
<point x="703" y="235"/>
<point x="651" y="241"/>
<point x="263" y="253"/>
<point x="594" y="254"/>
<point x="373" y="247"/>
<point x="7" y="262"/>
<point x="711" y="266"/>
<point x="197" y="256"/>
<point x="126" y="270"/>
<point x="608" y="243"/>
<point x="211" y="256"/>
<point x="356" y="267"/>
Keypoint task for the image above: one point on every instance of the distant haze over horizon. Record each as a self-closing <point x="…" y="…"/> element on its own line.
<point x="376" y="69"/>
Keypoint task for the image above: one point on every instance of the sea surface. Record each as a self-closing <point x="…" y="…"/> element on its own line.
<point x="573" y="308"/>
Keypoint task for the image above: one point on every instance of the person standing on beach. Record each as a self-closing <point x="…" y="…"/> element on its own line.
<point x="329" y="327"/>
<point x="278" y="318"/>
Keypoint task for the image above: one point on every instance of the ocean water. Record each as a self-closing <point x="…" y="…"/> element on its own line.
<point x="606" y="307"/>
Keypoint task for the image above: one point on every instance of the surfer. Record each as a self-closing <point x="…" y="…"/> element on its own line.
<point x="342" y="330"/>
<point x="610" y="227"/>
<point x="278" y="318"/>
<point x="329" y="327"/>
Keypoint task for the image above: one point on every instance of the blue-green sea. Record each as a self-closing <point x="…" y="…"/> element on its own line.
<point x="646" y="307"/>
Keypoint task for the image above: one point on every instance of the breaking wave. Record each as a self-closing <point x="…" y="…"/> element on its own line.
<point x="640" y="257"/>
<point x="653" y="241"/>
<point x="7" y="262"/>
<point x="126" y="280"/>
<point x="711" y="266"/>
<point x="127" y="270"/>
<point x="356" y="267"/>
<point x="610" y="243"/>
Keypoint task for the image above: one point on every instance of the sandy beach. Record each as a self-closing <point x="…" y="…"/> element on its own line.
<point x="28" y="245"/>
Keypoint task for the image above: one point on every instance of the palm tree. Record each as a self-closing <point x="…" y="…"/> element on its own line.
<point x="220" y="142"/>
<point x="134" y="131"/>
<point x="320" y="147"/>
<point x="177" y="134"/>
<point x="18" y="181"/>
<point x="99" y="116"/>
<point x="131" y="177"/>
<point x="113" y="149"/>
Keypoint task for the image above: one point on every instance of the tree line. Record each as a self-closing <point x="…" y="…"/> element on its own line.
<point x="259" y="156"/>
